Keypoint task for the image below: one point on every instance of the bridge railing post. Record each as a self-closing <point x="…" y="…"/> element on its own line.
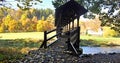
<point x="44" y="44"/>
<point x="45" y="39"/>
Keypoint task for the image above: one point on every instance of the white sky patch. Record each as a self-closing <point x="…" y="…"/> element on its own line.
<point x="116" y="12"/>
<point x="104" y="10"/>
<point x="45" y="4"/>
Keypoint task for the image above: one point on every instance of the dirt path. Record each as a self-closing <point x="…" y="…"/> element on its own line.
<point x="57" y="54"/>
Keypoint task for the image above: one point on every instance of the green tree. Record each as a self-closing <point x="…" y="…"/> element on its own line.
<point x="27" y="4"/>
<point x="96" y="7"/>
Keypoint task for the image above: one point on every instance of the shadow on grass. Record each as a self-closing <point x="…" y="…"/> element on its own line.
<point x="20" y="43"/>
<point x="12" y="50"/>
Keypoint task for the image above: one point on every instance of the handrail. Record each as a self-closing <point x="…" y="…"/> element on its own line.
<point x="52" y="36"/>
<point x="50" y="31"/>
<point x="44" y="44"/>
<point x="53" y="30"/>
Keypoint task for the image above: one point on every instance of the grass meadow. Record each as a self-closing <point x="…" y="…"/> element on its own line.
<point x="14" y="46"/>
<point x="99" y="41"/>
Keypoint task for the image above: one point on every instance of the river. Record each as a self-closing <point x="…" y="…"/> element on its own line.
<point x="95" y="50"/>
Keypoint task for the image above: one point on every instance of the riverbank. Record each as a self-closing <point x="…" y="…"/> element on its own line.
<point x="50" y="56"/>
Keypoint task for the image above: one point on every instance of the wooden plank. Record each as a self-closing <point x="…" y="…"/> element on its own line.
<point x="74" y="48"/>
<point x="74" y="39"/>
<point x="72" y="32"/>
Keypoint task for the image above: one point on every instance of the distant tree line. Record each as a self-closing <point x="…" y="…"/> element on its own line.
<point x="25" y="21"/>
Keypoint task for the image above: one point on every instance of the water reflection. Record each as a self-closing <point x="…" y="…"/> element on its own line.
<point x="95" y="50"/>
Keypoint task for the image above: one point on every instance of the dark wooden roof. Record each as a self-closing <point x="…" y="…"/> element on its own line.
<point x="68" y="12"/>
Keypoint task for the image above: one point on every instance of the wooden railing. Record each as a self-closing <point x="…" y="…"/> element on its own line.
<point x="46" y="39"/>
<point x="73" y="40"/>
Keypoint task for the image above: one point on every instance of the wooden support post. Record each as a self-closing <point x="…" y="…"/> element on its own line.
<point x="59" y="30"/>
<point x="69" y="26"/>
<point x="73" y="25"/>
<point x="76" y="44"/>
<point x="45" y="39"/>
<point x="77" y="22"/>
<point x="44" y="44"/>
<point x="78" y="38"/>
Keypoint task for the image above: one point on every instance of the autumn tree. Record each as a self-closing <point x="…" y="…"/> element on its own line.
<point x="6" y="21"/>
<point x="18" y="14"/>
<point x="1" y="13"/>
<point x="34" y="23"/>
<point x="40" y="26"/>
<point x="44" y="25"/>
<point x="13" y="26"/>
<point x="50" y="18"/>
<point x="2" y="28"/>
<point x="29" y="14"/>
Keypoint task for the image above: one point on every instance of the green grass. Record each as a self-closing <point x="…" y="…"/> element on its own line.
<point x="99" y="41"/>
<point x="11" y="50"/>
<point x="24" y="35"/>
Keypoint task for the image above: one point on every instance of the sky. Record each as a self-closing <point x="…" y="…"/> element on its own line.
<point x="45" y="4"/>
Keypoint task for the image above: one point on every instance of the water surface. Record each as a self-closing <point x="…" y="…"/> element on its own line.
<point x="95" y="50"/>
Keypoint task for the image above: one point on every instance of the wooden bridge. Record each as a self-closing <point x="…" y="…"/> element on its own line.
<point x="67" y="32"/>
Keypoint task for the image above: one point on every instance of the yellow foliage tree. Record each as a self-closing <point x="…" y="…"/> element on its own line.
<point x="108" y="32"/>
<point x="40" y="27"/>
<point x="34" y="23"/>
<point x="13" y="26"/>
<point x="44" y="26"/>
<point x="23" y="17"/>
<point x="2" y="28"/>
<point x="7" y="20"/>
